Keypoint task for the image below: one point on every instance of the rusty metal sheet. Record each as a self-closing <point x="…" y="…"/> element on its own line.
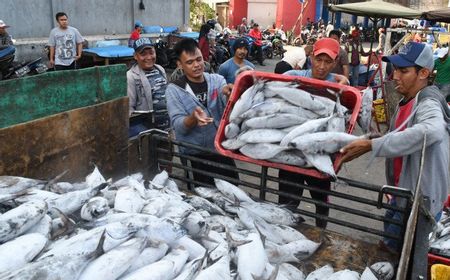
<point x="71" y="140"/>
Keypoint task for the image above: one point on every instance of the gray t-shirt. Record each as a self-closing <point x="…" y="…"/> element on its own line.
<point x="65" y="42"/>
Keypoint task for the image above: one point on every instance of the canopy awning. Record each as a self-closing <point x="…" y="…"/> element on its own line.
<point x="376" y="9"/>
<point x="441" y="15"/>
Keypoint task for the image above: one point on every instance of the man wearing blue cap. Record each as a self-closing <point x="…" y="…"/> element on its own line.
<point x="136" y="34"/>
<point x="421" y="112"/>
<point x="146" y="85"/>
<point x="230" y="68"/>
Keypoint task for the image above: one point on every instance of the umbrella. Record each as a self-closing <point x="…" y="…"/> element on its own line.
<point x="376" y="9"/>
<point x="441" y="15"/>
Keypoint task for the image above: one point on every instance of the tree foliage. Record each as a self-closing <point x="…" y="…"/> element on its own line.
<point x="199" y="13"/>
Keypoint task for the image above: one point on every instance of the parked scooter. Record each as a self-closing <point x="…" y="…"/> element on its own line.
<point x="6" y="60"/>
<point x="32" y="67"/>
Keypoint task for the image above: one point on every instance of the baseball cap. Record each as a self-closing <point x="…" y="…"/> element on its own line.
<point x="141" y="44"/>
<point x="138" y="24"/>
<point x="239" y="43"/>
<point x="412" y="54"/>
<point x="327" y="46"/>
<point x="441" y="52"/>
<point x="3" y="24"/>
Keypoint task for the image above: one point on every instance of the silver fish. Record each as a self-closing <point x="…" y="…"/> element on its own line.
<point x="344" y="275"/>
<point x="244" y="102"/>
<point x="268" y="107"/>
<point x="153" y="253"/>
<point x="291" y="272"/>
<point x="195" y="224"/>
<point x="14" y="184"/>
<point x="220" y="223"/>
<point x="310" y="126"/>
<point x="231" y="130"/>
<point x="321" y="273"/>
<point x="322" y="162"/>
<point x="233" y="144"/>
<point x="219" y="270"/>
<point x="252" y="258"/>
<point x="272" y="213"/>
<point x="365" y="115"/>
<point x="274" y="121"/>
<point x="299" y="98"/>
<point x="128" y="200"/>
<point x="322" y="142"/>
<point x="231" y="191"/>
<point x="114" y="263"/>
<point x="160" y="270"/>
<point x="65" y="187"/>
<point x="193" y="248"/>
<point x="43" y="227"/>
<point x="201" y="203"/>
<point x="191" y="270"/>
<point x="95" y="178"/>
<point x="261" y="150"/>
<point x="292" y="157"/>
<point x="262" y="136"/>
<point x="20" y="219"/>
<point x="17" y="252"/>
<point x="56" y="267"/>
<point x="96" y="207"/>
<point x="379" y="270"/>
<point x="295" y="251"/>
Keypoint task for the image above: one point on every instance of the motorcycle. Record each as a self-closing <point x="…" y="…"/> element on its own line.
<point x="6" y="60"/>
<point x="11" y="70"/>
<point x="267" y="49"/>
<point x="164" y="55"/>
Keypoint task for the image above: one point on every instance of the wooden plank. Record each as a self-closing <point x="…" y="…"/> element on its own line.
<point x="71" y="140"/>
<point x="342" y="252"/>
<point x="33" y="97"/>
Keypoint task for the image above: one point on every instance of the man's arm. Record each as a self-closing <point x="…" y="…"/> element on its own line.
<point x="430" y="121"/>
<point x="52" y="57"/>
<point x="79" y="51"/>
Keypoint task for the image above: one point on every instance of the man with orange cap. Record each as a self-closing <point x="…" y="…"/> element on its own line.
<point x="323" y="59"/>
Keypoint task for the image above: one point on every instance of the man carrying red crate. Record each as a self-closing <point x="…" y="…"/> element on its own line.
<point x="323" y="60"/>
<point x="195" y="103"/>
<point x="421" y="112"/>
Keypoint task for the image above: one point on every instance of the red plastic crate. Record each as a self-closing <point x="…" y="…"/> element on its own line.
<point x="350" y="98"/>
<point x="435" y="259"/>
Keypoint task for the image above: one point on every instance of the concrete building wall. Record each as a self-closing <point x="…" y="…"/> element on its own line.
<point x="264" y="12"/>
<point x="34" y="19"/>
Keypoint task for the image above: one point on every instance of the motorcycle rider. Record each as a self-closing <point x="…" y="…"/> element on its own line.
<point x="255" y="33"/>
<point x="5" y="38"/>
<point x="229" y="68"/>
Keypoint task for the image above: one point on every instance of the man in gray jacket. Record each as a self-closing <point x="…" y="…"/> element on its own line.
<point x="146" y="86"/>
<point x="196" y="102"/>
<point x="422" y="111"/>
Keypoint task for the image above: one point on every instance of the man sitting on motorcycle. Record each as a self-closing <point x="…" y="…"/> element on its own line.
<point x="5" y="38"/>
<point x="230" y="68"/>
<point x="255" y="33"/>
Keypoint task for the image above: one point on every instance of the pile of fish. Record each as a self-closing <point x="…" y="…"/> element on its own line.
<point x="440" y="240"/>
<point x="137" y="229"/>
<point x="278" y="122"/>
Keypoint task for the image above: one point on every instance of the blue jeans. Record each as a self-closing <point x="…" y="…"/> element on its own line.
<point x="354" y="69"/>
<point x="395" y="229"/>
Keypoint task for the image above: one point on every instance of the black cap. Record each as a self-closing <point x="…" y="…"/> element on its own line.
<point x="141" y="44"/>
<point x="239" y="43"/>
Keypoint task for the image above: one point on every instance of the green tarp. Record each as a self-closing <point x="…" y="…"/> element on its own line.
<point x="30" y="98"/>
<point x="376" y="9"/>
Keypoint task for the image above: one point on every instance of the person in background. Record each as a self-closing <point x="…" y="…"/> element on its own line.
<point x="255" y="33"/>
<point x="146" y="86"/>
<point x="381" y="40"/>
<point x="293" y="59"/>
<point x="196" y="103"/>
<point x="229" y="68"/>
<point x="355" y="50"/>
<point x="203" y="41"/>
<point x="136" y="34"/>
<point x="342" y="66"/>
<point x="308" y="53"/>
<point x="243" y="29"/>
<point x="324" y="55"/>
<point x="422" y="117"/>
<point x="5" y="38"/>
<point x="442" y="67"/>
<point x="329" y="28"/>
<point x="66" y="44"/>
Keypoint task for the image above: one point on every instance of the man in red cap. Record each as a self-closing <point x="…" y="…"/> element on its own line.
<point x="323" y="60"/>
